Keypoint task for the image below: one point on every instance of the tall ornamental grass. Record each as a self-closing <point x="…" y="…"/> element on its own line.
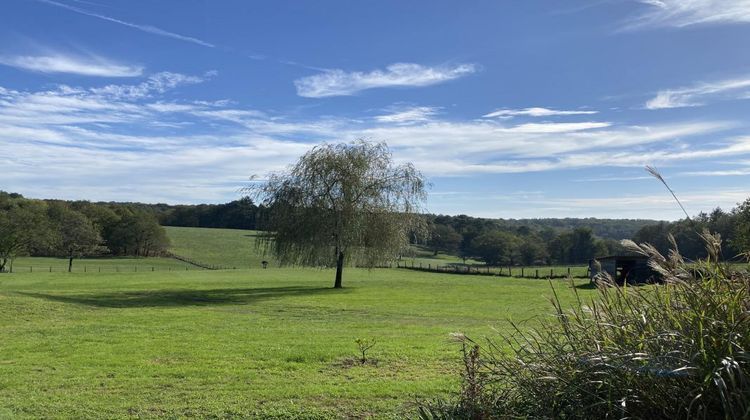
<point x="675" y="350"/>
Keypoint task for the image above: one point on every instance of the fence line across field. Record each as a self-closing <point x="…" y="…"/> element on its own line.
<point x="109" y="268"/>
<point x="520" y="272"/>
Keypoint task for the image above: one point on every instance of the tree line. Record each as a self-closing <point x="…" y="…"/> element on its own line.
<point x="732" y="226"/>
<point x="496" y="242"/>
<point x="56" y="228"/>
<point x="571" y="241"/>
<point x="80" y="228"/>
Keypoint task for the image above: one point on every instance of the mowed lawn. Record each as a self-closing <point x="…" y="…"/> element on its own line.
<point x="243" y="343"/>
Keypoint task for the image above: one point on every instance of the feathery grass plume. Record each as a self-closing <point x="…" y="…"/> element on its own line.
<point x="655" y="173"/>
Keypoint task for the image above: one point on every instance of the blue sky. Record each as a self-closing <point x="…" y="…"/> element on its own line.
<point x="511" y="109"/>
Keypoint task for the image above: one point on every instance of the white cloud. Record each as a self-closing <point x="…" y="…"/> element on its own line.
<point x="72" y="139"/>
<point x="695" y="95"/>
<point x="156" y="83"/>
<point x="481" y="141"/>
<point x="734" y="172"/>
<point x="619" y="203"/>
<point x="58" y="63"/>
<point x="408" y="115"/>
<point x="614" y="178"/>
<point x="339" y="82"/>
<point x="742" y="170"/>
<point x="683" y="13"/>
<point x="557" y="127"/>
<point x="111" y="104"/>
<point x="145" y="28"/>
<point x="646" y="206"/>
<point x="534" y="112"/>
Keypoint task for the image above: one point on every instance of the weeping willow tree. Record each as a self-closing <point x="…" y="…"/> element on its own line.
<point x="340" y="204"/>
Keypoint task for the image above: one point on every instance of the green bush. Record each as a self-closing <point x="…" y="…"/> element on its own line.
<point x="675" y="350"/>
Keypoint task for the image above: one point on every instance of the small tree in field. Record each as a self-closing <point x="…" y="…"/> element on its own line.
<point x="77" y="236"/>
<point x="342" y="202"/>
<point x="22" y="225"/>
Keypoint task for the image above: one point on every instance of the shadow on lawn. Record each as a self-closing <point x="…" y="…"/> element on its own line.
<point x="166" y="298"/>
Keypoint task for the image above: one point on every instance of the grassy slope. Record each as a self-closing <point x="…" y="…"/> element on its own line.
<point x="241" y="343"/>
<point x="236" y="248"/>
<point x="223" y="247"/>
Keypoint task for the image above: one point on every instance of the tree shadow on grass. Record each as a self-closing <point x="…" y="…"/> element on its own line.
<point x="586" y="286"/>
<point x="173" y="298"/>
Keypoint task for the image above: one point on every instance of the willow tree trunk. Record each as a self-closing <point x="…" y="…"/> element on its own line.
<point x="339" y="270"/>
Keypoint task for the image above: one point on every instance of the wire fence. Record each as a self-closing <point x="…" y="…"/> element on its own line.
<point x="516" y="272"/>
<point x="193" y="265"/>
<point x="87" y="268"/>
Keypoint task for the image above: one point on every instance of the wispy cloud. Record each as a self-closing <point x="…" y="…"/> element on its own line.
<point x="131" y="142"/>
<point x="695" y="95"/>
<point x="534" y="112"/>
<point x="59" y="63"/>
<point x="735" y="172"/>
<point x="458" y="148"/>
<point x="683" y="13"/>
<point x="156" y="83"/>
<point x="613" y="179"/>
<point x="408" y="115"/>
<point x="742" y="168"/>
<point x="643" y="205"/>
<point x="339" y="82"/>
<point x="145" y="28"/>
<point x="557" y="127"/>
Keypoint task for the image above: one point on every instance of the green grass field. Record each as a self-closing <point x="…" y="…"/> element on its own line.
<point x="243" y="343"/>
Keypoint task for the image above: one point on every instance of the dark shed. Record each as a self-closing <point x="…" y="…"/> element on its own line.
<point x="632" y="269"/>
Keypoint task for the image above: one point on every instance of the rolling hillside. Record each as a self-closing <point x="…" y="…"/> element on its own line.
<point x="230" y="248"/>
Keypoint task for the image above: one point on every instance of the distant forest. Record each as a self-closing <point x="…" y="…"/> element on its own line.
<point x="135" y="229"/>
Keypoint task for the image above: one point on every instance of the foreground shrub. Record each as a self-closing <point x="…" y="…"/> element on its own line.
<point x="676" y="350"/>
